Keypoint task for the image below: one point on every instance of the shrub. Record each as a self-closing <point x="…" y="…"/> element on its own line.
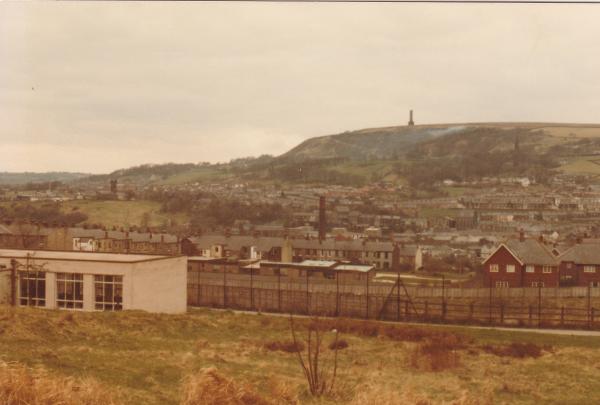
<point x="209" y="387"/>
<point x="517" y="350"/>
<point x="436" y="354"/>
<point x="339" y="344"/>
<point x="285" y="346"/>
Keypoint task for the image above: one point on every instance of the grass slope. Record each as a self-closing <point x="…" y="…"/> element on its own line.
<point x="143" y="358"/>
<point x="123" y="213"/>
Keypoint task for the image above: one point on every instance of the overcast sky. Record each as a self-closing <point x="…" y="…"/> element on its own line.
<point x="94" y="87"/>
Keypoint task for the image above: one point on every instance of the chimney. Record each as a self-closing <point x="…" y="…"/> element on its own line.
<point x="521" y="236"/>
<point x="322" y="218"/>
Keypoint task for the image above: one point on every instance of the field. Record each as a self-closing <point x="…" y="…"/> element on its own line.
<point x="123" y="213"/>
<point x="200" y="174"/>
<point x="145" y="358"/>
<point x="582" y="165"/>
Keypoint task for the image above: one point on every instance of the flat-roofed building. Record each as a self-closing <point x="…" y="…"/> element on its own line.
<point x="94" y="281"/>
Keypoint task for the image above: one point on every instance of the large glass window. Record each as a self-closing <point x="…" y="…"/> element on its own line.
<point x="109" y="292"/>
<point x="69" y="290"/>
<point x="32" y="288"/>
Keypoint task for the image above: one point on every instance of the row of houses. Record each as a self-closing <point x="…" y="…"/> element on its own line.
<point x="25" y="236"/>
<point x="532" y="263"/>
<point x="382" y="255"/>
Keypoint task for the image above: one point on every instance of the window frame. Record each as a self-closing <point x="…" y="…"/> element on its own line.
<point x="529" y="268"/>
<point x="511" y="268"/>
<point x="547" y="269"/>
<point x="39" y="300"/>
<point x="70" y="281"/>
<point x="101" y="280"/>
<point x="588" y="268"/>
<point x="494" y="268"/>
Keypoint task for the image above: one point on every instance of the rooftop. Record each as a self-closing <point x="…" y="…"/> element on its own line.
<point x="79" y="256"/>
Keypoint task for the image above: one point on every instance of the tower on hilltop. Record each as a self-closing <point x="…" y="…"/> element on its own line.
<point x="410" y="121"/>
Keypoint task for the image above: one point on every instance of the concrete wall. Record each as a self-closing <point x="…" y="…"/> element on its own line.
<point x="159" y="286"/>
<point x="154" y="286"/>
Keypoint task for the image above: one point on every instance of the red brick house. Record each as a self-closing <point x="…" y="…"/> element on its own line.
<point x="521" y="263"/>
<point x="580" y="266"/>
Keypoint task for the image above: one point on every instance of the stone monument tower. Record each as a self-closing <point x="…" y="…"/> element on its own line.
<point x="410" y="121"/>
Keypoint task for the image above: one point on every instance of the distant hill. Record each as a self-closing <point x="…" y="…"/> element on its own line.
<point x="8" y="178"/>
<point x="361" y="156"/>
<point x="393" y="142"/>
<point x="373" y="143"/>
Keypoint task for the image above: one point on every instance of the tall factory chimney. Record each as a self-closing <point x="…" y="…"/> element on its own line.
<point x="410" y="121"/>
<point x="322" y="219"/>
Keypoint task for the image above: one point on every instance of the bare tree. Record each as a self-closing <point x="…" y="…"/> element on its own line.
<point x="319" y="381"/>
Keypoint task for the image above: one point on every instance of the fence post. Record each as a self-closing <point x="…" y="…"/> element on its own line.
<point x="251" y="289"/>
<point x="562" y="315"/>
<point x="398" y="297"/>
<point x="589" y="304"/>
<point x="490" y="303"/>
<point x="501" y="313"/>
<point x="592" y="318"/>
<point x="224" y="287"/>
<point x="337" y="293"/>
<point x="530" y="314"/>
<point x="406" y="309"/>
<point x="539" y="304"/>
<point x="279" y="290"/>
<point x="367" y="312"/>
<point x="199" y="292"/>
<point x="307" y="295"/>
<point x="471" y="310"/>
<point x="426" y="309"/>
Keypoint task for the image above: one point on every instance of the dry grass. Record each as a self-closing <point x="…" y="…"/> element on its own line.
<point x="516" y="350"/>
<point x="23" y="386"/>
<point x="209" y="387"/>
<point x="437" y="354"/>
<point x="393" y="332"/>
<point x="145" y="358"/>
<point x="284" y="346"/>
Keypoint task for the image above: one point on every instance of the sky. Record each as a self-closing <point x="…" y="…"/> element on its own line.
<point x="94" y="87"/>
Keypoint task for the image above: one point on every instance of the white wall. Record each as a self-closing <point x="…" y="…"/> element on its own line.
<point x="160" y="286"/>
<point x="154" y="285"/>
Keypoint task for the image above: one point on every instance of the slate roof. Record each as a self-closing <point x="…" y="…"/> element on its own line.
<point x="134" y="236"/>
<point x="585" y="253"/>
<point x="530" y="251"/>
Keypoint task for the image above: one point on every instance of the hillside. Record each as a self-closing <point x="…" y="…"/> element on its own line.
<point x="375" y="143"/>
<point x="29" y="177"/>
<point x="390" y="153"/>
<point x="141" y="358"/>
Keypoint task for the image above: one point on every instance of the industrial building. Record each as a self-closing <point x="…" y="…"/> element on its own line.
<point x="93" y="281"/>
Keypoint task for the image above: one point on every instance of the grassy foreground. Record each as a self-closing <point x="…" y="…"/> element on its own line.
<point x="147" y="358"/>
